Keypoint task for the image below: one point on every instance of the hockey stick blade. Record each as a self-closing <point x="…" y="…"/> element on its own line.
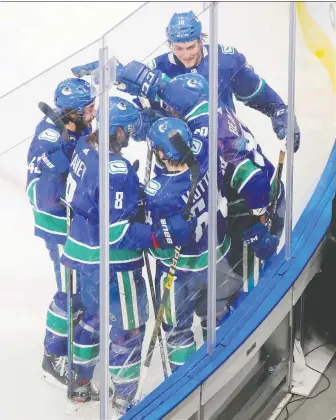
<point x="55" y="118"/>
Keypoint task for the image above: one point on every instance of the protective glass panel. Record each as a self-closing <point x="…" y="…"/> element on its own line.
<point x="315" y="88"/>
<point x="253" y="86"/>
<point x="138" y="290"/>
<point x="33" y="172"/>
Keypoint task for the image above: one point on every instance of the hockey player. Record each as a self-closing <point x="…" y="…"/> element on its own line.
<point x="128" y="236"/>
<point x="236" y="77"/>
<point x="191" y="104"/>
<point x="249" y="176"/>
<point x="166" y="194"/>
<point x="47" y="169"/>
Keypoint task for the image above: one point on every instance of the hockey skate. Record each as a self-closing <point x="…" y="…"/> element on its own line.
<point x="120" y="407"/>
<point x="54" y="369"/>
<point x="84" y="395"/>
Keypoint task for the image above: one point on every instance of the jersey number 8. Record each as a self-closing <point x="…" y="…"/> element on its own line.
<point x="119" y="200"/>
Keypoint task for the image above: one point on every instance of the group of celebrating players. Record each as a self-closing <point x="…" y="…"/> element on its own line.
<point x="151" y="217"/>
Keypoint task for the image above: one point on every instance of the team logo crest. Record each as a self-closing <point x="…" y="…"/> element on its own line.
<point x="118" y="167"/>
<point x="49" y="135"/>
<point x="163" y="127"/>
<point x="191" y="83"/>
<point x="66" y="91"/>
<point x="196" y="146"/>
<point x="152" y="187"/>
<point x="122" y="106"/>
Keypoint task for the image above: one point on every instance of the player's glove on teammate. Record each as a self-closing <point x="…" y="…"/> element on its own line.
<point x="56" y="161"/>
<point x="147" y="117"/>
<point x="91" y="69"/>
<point x="173" y="231"/>
<point x="139" y="80"/>
<point x="280" y="126"/>
<point x="264" y="244"/>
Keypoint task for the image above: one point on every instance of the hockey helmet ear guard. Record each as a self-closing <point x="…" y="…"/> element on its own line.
<point x="121" y="114"/>
<point x="74" y="94"/>
<point x="159" y="136"/>
<point x="184" y="27"/>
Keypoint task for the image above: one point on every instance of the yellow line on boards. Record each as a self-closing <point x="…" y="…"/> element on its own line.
<point x="317" y="41"/>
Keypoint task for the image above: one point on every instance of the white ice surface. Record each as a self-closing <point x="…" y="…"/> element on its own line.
<point x="34" y="37"/>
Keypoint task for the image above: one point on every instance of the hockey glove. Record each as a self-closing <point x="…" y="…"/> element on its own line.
<point x="264" y="244"/>
<point x="173" y="231"/>
<point x="280" y="126"/>
<point x="137" y="79"/>
<point x="146" y="118"/>
<point x="85" y="69"/>
<point x="92" y="69"/>
<point x="56" y="161"/>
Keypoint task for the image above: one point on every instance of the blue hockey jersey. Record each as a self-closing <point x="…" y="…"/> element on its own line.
<point x="235" y="77"/>
<point x="249" y="175"/>
<point x="43" y="188"/>
<point x="82" y="193"/>
<point x="168" y="193"/>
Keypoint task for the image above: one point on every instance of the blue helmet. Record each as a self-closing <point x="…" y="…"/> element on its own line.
<point x="121" y="114"/>
<point x="184" y="27"/>
<point x="162" y="129"/>
<point x="73" y="94"/>
<point x="194" y="82"/>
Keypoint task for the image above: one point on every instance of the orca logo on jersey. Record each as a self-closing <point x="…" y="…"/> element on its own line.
<point x="152" y="187"/>
<point x="49" y="135"/>
<point x="118" y="167"/>
<point x="196" y="146"/>
<point x="166" y="231"/>
<point x="227" y="49"/>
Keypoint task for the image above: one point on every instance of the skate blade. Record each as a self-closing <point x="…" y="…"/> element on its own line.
<point x="74" y="407"/>
<point x="53" y="381"/>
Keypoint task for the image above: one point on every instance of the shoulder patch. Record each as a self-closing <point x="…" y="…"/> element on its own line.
<point x="118" y="167"/>
<point x="197" y="146"/>
<point x="227" y="49"/>
<point x="49" y="135"/>
<point x="152" y="187"/>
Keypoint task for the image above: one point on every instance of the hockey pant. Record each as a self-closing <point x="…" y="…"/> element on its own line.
<point x="56" y="326"/>
<point x="188" y="296"/>
<point x="128" y="316"/>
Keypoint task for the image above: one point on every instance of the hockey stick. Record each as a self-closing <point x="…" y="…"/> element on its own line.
<point x="274" y="202"/>
<point x="250" y="261"/>
<point x="191" y="161"/>
<point x="56" y="119"/>
<point x="150" y="277"/>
